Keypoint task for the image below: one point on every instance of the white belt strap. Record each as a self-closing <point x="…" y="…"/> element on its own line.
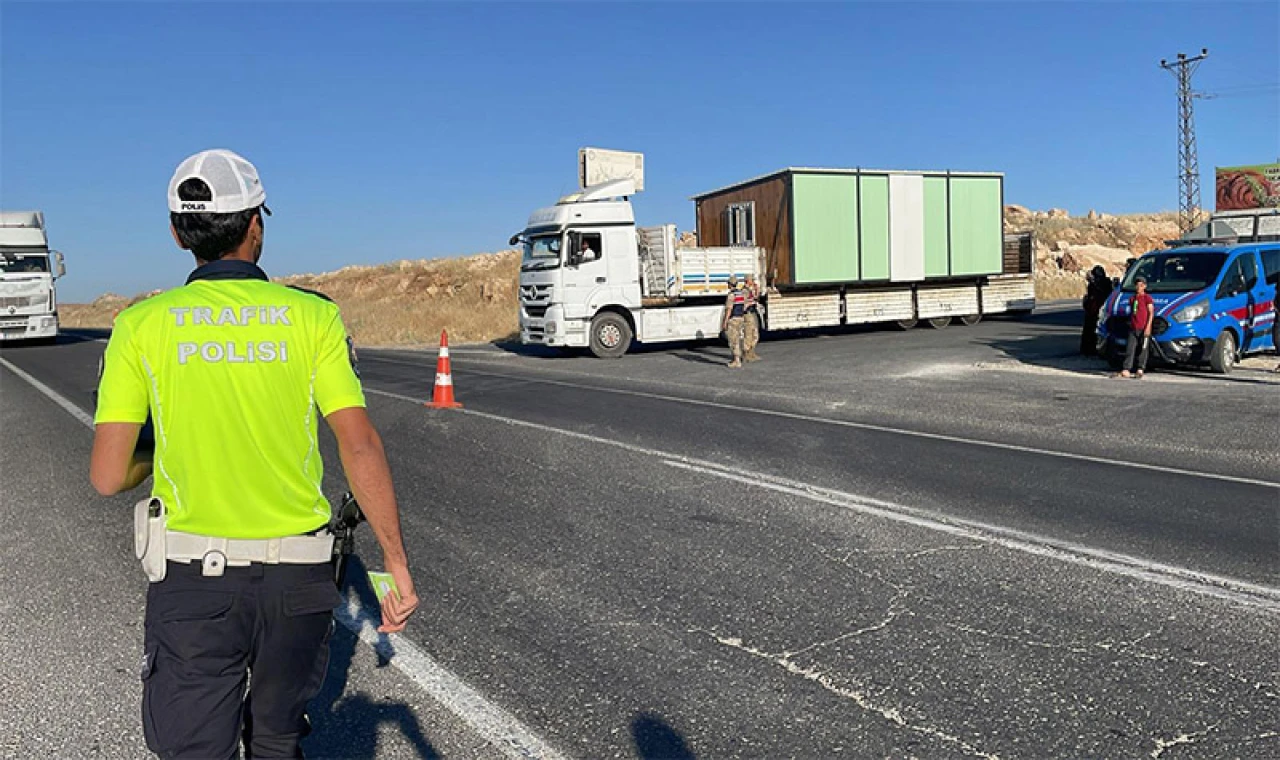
<point x="218" y="553"/>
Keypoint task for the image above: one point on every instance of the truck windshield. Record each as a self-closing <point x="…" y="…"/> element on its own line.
<point x="541" y="252"/>
<point x="1175" y="272"/>
<point x="11" y="263"/>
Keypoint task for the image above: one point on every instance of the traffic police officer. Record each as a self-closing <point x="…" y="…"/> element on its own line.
<point x="231" y="369"/>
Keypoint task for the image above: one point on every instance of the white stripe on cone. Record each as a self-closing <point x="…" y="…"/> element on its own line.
<point x="444" y="351"/>
<point x="444" y="379"/>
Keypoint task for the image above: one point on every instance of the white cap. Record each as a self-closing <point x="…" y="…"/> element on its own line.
<point x="231" y="178"/>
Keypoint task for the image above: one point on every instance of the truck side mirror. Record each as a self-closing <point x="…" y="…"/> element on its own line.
<point x="514" y="239"/>
<point x="60" y="269"/>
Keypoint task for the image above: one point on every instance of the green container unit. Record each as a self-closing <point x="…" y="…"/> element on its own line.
<point x="894" y="227"/>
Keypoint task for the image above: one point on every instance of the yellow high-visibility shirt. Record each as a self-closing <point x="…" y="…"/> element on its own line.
<point x="231" y="368"/>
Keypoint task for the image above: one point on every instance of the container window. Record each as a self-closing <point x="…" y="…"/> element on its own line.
<point x="741" y="224"/>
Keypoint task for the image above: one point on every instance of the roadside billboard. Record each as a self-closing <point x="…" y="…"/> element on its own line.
<point x="1240" y="188"/>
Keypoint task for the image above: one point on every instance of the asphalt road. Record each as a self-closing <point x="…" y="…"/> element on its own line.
<point x="952" y="543"/>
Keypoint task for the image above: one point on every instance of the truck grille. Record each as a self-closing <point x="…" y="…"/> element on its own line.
<point x="22" y="302"/>
<point x="537" y="312"/>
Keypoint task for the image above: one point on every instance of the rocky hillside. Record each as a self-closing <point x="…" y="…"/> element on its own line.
<point x="408" y="303"/>
<point x="405" y="303"/>
<point x="1065" y="247"/>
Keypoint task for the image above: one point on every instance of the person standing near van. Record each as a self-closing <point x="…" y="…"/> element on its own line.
<point x="1142" y="314"/>
<point x="1096" y="294"/>
<point x="232" y="368"/>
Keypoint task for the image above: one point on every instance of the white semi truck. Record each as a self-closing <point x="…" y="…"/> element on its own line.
<point x="28" y="269"/>
<point x="828" y="247"/>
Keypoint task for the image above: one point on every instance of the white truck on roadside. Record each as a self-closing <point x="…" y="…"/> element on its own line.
<point x="28" y="270"/>
<point x="828" y="247"/>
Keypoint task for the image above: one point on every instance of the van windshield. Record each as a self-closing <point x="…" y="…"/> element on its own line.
<point x="1174" y="272"/>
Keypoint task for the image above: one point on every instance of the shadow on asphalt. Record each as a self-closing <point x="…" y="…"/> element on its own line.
<point x="656" y="740"/>
<point x="346" y="725"/>
<point x="63" y="339"/>
<point x="704" y="355"/>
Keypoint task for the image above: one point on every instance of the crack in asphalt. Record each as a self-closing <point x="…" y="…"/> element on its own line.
<point x="1183" y="738"/>
<point x="891" y="714"/>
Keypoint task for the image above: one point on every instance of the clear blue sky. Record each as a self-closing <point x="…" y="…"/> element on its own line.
<point x="410" y="130"/>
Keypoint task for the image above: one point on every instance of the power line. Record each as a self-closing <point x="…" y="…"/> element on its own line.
<point x="1188" y="162"/>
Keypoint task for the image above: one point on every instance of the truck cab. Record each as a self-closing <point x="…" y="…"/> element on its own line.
<point x="28" y="269"/>
<point x="1213" y="304"/>
<point x="580" y="270"/>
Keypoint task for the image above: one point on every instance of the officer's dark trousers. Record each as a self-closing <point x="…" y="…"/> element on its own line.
<point x="204" y="635"/>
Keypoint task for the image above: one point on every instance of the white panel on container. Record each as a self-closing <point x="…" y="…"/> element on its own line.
<point x="947" y="302"/>
<point x="796" y="312"/>
<point x="906" y="227"/>
<point x="1014" y="293"/>
<point x="878" y="306"/>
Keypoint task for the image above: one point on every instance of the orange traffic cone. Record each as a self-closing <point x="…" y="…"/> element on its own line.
<point x="442" y="395"/>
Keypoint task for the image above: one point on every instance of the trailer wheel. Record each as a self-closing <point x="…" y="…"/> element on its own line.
<point x="610" y="335"/>
<point x="969" y="320"/>
<point x="1223" y="358"/>
<point x="907" y="324"/>
<point x="938" y="323"/>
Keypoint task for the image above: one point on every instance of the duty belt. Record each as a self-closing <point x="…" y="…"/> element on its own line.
<point x="216" y="554"/>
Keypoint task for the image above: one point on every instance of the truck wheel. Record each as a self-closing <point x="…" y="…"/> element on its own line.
<point x="907" y="324"/>
<point x="610" y="336"/>
<point x="938" y="323"/>
<point x="1223" y="357"/>
<point x="969" y="320"/>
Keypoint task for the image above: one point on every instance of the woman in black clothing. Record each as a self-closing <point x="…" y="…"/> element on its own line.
<point x="1096" y="294"/>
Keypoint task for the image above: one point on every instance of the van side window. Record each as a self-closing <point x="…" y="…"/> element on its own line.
<point x="1271" y="265"/>
<point x="1233" y="279"/>
<point x="1250" y="263"/>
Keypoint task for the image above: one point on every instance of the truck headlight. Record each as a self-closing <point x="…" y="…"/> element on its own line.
<point x="1192" y="313"/>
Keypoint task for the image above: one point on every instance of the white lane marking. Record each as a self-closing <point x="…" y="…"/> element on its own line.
<point x="1186" y="579"/>
<point x="57" y="398"/>
<point x="501" y="728"/>
<point x="876" y="428"/>
<point x="494" y="724"/>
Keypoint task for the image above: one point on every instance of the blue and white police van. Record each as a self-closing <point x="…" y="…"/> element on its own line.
<point x="1214" y="304"/>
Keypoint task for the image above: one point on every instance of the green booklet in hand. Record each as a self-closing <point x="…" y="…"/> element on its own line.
<point x="383" y="584"/>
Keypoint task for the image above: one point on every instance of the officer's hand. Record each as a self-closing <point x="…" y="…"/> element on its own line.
<point x="397" y="609"/>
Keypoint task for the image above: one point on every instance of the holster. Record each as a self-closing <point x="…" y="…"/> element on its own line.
<point x="149" y="537"/>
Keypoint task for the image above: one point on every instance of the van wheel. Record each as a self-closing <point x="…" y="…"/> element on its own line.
<point x="907" y="324"/>
<point x="1223" y="358"/>
<point x="610" y="335"/>
<point x="938" y="323"/>
<point x="969" y="320"/>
